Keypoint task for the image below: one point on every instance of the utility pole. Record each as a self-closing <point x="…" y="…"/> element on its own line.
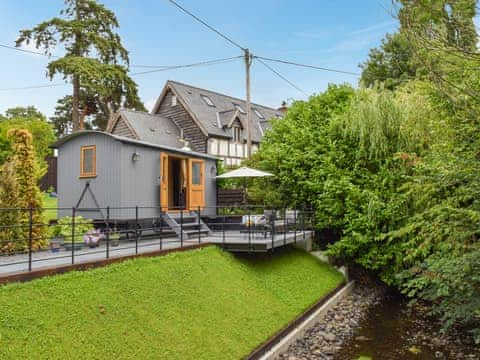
<point x="248" y="62"/>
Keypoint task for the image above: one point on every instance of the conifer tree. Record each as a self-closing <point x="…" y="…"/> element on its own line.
<point x="10" y="236"/>
<point x="27" y="175"/>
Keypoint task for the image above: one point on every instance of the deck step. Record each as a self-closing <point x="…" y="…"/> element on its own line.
<point x="186" y="224"/>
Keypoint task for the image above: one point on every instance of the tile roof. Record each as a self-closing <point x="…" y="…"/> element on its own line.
<point x="212" y="117"/>
<point x="153" y="129"/>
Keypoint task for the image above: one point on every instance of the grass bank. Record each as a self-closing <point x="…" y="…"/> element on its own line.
<point x="201" y="304"/>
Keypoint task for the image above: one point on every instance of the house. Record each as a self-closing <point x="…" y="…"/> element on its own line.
<point x="156" y="172"/>
<point x="211" y="122"/>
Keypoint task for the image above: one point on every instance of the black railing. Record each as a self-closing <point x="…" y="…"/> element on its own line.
<point x="34" y="242"/>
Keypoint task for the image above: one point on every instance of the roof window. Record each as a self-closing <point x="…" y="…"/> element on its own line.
<point x="207" y="100"/>
<point x="259" y="114"/>
<point x="239" y="108"/>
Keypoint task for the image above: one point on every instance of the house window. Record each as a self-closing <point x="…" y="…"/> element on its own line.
<point x="259" y="114"/>
<point x="174" y="100"/>
<point x="237" y="134"/>
<point x="207" y="100"/>
<point x="88" y="161"/>
<point x="239" y="108"/>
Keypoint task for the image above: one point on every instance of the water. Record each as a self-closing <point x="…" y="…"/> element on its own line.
<point x="392" y="330"/>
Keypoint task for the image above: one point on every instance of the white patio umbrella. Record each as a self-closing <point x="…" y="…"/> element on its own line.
<point x="244" y="172"/>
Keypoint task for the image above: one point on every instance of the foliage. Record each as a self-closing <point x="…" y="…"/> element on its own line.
<point x="93" y="53"/>
<point x="9" y="198"/>
<point x="387" y="175"/>
<point x="62" y="119"/>
<point x="452" y="282"/>
<point x="27" y="174"/>
<point x="196" y="304"/>
<point x="42" y="137"/>
<point x="28" y="112"/>
<point x="392" y="64"/>
<point x="65" y="225"/>
<point x="293" y="150"/>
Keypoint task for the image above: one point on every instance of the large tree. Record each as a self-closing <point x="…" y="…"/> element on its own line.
<point x="25" y="112"/>
<point x="391" y="64"/>
<point x="35" y="122"/>
<point x="396" y="60"/>
<point x="95" y="60"/>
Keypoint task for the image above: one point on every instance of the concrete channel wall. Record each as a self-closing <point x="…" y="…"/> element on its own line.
<point x="309" y="322"/>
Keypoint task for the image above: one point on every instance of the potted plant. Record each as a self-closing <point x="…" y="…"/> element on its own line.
<point x="92" y="238"/>
<point x="57" y="240"/>
<point x="64" y="229"/>
<point x="114" y="238"/>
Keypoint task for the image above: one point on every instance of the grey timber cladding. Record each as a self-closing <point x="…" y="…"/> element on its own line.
<point x="179" y="115"/>
<point x="119" y="182"/>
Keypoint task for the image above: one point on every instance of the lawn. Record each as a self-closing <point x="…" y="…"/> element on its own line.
<point x="199" y="304"/>
<point x="49" y="203"/>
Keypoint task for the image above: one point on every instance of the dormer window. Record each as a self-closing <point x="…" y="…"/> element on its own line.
<point x="258" y="113"/>
<point x="239" y="108"/>
<point x="237" y="134"/>
<point x="207" y="100"/>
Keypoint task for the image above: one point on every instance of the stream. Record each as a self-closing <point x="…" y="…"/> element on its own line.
<point x="393" y="330"/>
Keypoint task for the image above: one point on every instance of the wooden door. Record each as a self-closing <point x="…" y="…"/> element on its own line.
<point x="164" y="181"/>
<point x="196" y="184"/>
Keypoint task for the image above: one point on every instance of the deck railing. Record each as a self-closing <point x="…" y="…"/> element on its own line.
<point x="32" y="239"/>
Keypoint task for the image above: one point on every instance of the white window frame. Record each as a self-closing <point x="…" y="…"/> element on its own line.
<point x="207" y="100"/>
<point x="239" y="108"/>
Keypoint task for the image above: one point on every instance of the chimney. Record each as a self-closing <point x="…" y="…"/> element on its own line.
<point x="283" y="108"/>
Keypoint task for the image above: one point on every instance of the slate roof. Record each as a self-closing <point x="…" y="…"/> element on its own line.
<point x="153" y="129"/>
<point x="212" y="118"/>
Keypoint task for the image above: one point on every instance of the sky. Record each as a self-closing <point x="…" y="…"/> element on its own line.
<point x="335" y="34"/>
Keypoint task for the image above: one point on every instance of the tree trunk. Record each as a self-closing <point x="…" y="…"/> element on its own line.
<point x="76" y="81"/>
<point x="76" y="104"/>
<point x="81" y="121"/>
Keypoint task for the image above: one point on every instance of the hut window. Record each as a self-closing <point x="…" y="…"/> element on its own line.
<point x="174" y="100"/>
<point x="88" y="159"/>
<point x="196" y="173"/>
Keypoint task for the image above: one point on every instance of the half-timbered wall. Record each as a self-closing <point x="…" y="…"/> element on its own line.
<point x="230" y="152"/>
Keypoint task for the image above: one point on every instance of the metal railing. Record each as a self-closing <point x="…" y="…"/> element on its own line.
<point x="36" y="239"/>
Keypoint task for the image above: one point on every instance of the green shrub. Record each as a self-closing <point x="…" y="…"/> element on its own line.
<point x="64" y="228"/>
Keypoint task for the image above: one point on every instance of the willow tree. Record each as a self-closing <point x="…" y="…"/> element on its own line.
<point x="95" y="60"/>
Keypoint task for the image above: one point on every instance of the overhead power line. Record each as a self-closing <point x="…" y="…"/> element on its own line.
<point x="281" y="76"/>
<point x="201" y="63"/>
<point x="34" y="87"/>
<point x="308" y="66"/>
<point x="207" y="25"/>
<point x="27" y="51"/>
<point x="165" y="68"/>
